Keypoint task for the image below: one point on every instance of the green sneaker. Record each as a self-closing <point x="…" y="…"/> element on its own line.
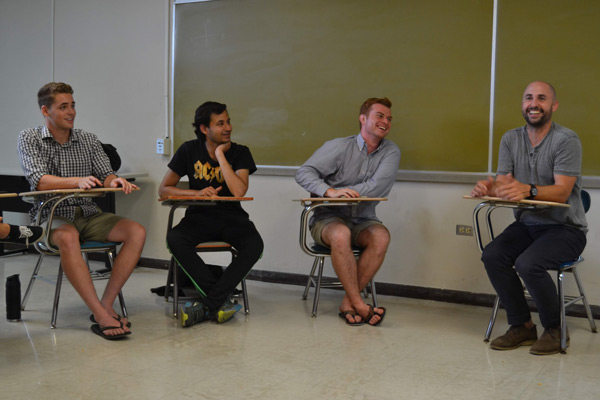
<point x="193" y="313"/>
<point x="227" y="311"/>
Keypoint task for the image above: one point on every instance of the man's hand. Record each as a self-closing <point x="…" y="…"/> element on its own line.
<point x="222" y="149"/>
<point x="88" y="182"/>
<point x="344" y="192"/>
<point x="483" y="188"/>
<point x="124" y="183"/>
<point x="511" y="189"/>
<point x="210" y="191"/>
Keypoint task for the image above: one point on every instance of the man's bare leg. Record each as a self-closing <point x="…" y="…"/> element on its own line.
<point x="337" y="236"/>
<point x="374" y="241"/>
<point x="66" y="238"/>
<point x="133" y="236"/>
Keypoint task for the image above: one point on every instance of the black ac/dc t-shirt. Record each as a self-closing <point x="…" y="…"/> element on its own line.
<point x="192" y="160"/>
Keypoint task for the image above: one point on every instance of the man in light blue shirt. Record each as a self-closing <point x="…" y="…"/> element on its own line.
<point x="364" y="165"/>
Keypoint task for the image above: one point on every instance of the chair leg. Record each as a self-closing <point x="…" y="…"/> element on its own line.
<point x="321" y="261"/>
<point x="374" y="294"/>
<point x="111" y="261"/>
<point x="34" y="275"/>
<point x="563" y="317"/>
<point x="245" y="297"/>
<point x="175" y="291"/>
<point x="310" y="280"/>
<point x="588" y="310"/>
<point x="169" y="284"/>
<point x="59" y="279"/>
<point x="490" y="327"/>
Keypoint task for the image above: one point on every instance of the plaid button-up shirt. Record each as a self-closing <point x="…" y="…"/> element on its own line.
<point x="82" y="155"/>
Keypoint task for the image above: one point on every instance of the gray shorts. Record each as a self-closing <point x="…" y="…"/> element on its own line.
<point x="355" y="229"/>
<point x="93" y="228"/>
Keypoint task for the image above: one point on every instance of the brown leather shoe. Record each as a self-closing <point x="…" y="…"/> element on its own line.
<point x="549" y="342"/>
<point x="515" y="336"/>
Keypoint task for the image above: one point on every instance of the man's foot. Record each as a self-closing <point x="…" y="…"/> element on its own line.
<point x="374" y="316"/>
<point x="123" y="320"/>
<point x="227" y="311"/>
<point x="351" y="318"/>
<point x="24" y="234"/>
<point x="515" y="336"/>
<point x="193" y="313"/>
<point x="548" y="343"/>
<point x="101" y="332"/>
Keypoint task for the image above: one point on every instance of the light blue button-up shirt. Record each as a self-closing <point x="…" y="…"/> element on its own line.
<point x="344" y="163"/>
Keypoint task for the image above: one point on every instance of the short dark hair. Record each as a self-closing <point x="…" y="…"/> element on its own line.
<point x="47" y="93"/>
<point x="366" y="106"/>
<point x="203" y="115"/>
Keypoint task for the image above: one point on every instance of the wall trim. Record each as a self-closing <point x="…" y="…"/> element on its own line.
<point x="390" y="289"/>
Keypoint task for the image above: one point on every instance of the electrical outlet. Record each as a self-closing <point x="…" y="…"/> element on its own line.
<point x="163" y="146"/>
<point x="464" y="230"/>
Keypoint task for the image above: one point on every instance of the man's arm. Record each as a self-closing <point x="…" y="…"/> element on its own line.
<point x="311" y="175"/>
<point x="168" y="187"/>
<point x="381" y="182"/>
<point x="237" y="181"/>
<point x="113" y="181"/>
<point x="511" y="189"/>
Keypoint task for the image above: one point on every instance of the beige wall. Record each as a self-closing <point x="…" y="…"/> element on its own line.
<point x="114" y="53"/>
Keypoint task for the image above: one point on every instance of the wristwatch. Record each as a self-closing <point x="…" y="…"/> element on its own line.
<point x="532" y="192"/>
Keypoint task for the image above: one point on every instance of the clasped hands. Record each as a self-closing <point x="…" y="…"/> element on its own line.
<point x="505" y="186"/>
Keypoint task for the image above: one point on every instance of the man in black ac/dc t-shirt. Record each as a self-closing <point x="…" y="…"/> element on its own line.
<point x="215" y="166"/>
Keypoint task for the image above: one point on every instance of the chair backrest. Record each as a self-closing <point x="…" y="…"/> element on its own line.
<point x="586" y="200"/>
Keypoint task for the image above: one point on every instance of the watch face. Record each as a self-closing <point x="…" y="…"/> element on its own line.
<point x="533" y="191"/>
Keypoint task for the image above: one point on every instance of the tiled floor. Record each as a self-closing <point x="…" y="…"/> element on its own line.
<point x="423" y="350"/>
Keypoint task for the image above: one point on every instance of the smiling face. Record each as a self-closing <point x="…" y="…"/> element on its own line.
<point x="219" y="130"/>
<point x="538" y="104"/>
<point x="377" y="122"/>
<point x="60" y="116"/>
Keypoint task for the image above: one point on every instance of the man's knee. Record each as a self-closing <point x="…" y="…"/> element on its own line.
<point x="336" y="235"/>
<point x="66" y="237"/>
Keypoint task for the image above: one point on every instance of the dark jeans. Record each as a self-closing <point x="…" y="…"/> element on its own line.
<point x="236" y="230"/>
<point x="532" y="250"/>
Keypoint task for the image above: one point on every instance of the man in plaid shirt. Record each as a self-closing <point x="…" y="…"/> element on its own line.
<point x="57" y="156"/>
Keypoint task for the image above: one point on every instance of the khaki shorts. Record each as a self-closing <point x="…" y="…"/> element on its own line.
<point x="355" y="229"/>
<point x="93" y="228"/>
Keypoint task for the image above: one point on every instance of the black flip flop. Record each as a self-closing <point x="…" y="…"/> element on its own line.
<point x="100" y="332"/>
<point x="372" y="314"/>
<point x="118" y="318"/>
<point x="352" y="313"/>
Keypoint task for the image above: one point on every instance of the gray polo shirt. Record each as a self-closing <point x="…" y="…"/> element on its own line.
<point x="344" y="163"/>
<point x="559" y="153"/>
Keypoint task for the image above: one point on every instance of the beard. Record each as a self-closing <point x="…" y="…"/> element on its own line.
<point x="544" y="117"/>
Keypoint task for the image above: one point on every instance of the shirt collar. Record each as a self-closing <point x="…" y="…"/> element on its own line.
<point x="362" y="145"/>
<point x="46" y="134"/>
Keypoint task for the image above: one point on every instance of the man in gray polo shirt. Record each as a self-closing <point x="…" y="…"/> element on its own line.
<point x="360" y="165"/>
<point x="541" y="161"/>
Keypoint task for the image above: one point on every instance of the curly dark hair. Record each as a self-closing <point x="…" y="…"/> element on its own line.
<point x="203" y="114"/>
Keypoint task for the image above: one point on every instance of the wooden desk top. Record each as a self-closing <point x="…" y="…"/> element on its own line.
<point x="340" y="199"/>
<point x="205" y="198"/>
<point x="512" y="202"/>
<point x="67" y="191"/>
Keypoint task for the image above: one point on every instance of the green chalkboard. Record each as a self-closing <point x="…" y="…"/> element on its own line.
<point x="294" y="73"/>
<point x="555" y="41"/>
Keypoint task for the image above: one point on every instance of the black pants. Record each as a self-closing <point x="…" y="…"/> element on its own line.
<point x="532" y="250"/>
<point x="236" y="230"/>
